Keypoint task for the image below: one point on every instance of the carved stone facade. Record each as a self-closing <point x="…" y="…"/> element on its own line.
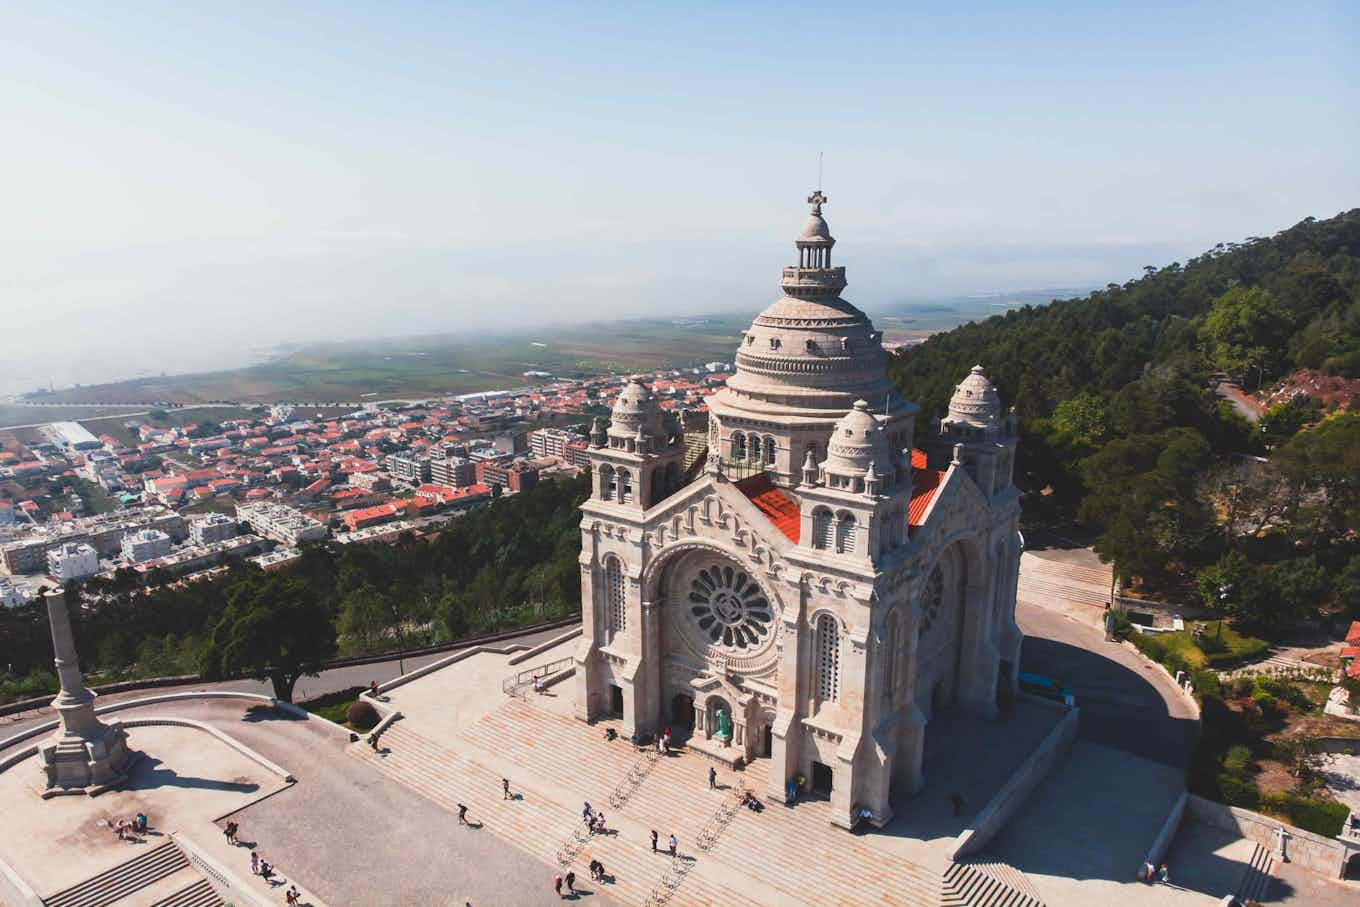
<point x="821" y="590"/>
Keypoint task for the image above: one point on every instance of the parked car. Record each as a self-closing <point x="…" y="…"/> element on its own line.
<point x="1047" y="687"/>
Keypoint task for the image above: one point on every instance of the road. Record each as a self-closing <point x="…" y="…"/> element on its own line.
<point x="331" y="681"/>
<point x="1126" y="702"/>
<point x="1249" y="408"/>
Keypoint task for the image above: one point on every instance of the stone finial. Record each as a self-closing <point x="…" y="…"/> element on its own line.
<point x="871" y="480"/>
<point x="816" y="200"/>
<point x="810" y="468"/>
<point x="958" y="456"/>
<point x="597" y="436"/>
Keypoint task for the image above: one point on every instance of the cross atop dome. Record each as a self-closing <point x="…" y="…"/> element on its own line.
<point x="816" y="200"/>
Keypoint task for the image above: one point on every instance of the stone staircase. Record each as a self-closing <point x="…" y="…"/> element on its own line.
<point x="196" y="894"/>
<point x="124" y="881"/>
<point x="729" y="857"/>
<point x="1256" y="880"/>
<point x="1043" y="580"/>
<point x="987" y="884"/>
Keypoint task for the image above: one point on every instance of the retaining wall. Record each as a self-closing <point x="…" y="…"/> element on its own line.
<point x="14" y="890"/>
<point x="1326" y="856"/>
<point x="1031" y="773"/>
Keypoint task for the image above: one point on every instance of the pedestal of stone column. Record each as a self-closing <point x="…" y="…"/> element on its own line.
<point x="83" y="755"/>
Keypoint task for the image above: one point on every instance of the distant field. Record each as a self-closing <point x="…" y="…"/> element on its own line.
<point x="428" y="366"/>
<point x="11" y="415"/>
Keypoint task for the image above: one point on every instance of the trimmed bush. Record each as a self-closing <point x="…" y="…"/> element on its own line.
<point x="1322" y="817"/>
<point x="362" y="716"/>
<point x="1237" y="759"/>
<point x="1236" y="791"/>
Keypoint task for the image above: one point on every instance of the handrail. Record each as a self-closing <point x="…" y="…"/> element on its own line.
<point x="516" y="684"/>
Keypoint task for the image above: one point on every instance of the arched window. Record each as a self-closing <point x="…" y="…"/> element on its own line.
<point x="821" y="528"/>
<point x="625" y="487"/>
<point x="845" y="534"/>
<point x="933" y="599"/>
<point x="738" y="446"/>
<point x="769" y="451"/>
<point x="828" y="659"/>
<point x="609" y="489"/>
<point x="892" y="641"/>
<point x="614" y="599"/>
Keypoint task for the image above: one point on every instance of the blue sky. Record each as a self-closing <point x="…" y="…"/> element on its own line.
<point x="284" y="171"/>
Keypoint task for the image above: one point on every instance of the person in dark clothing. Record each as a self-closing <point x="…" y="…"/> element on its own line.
<point x="462" y="814"/>
<point x="571" y="882"/>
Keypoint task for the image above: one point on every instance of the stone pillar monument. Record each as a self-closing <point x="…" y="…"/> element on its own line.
<point x="83" y="755"/>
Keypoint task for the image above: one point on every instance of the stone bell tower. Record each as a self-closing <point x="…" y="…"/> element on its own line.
<point x="83" y="755"/>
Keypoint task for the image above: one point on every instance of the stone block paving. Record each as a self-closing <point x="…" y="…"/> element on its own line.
<point x="778" y="856"/>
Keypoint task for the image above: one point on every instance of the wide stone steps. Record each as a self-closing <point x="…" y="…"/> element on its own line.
<point x="1039" y="590"/>
<point x="1032" y="565"/>
<point x="199" y="894"/>
<point x="122" y="880"/>
<point x="987" y="885"/>
<point x="1256" y="880"/>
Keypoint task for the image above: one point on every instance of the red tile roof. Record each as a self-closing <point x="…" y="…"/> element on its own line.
<point x="778" y="507"/>
<point x="1353" y="634"/>
<point x="924" y="483"/>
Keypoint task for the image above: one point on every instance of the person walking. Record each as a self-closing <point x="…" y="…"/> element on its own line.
<point x="653" y="840"/>
<point x="230" y="832"/>
<point x="585" y="809"/>
<point x="557" y="886"/>
<point x="674" y="844"/>
<point x="462" y="814"/>
<point x="505" y="788"/>
<point x="712" y="778"/>
<point x="254" y="863"/>
<point x="571" y="882"/>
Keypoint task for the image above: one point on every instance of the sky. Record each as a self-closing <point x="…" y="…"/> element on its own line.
<point x="187" y="185"/>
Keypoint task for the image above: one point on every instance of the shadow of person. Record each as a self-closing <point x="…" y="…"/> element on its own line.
<point x="474" y="825"/>
<point x="516" y="796"/>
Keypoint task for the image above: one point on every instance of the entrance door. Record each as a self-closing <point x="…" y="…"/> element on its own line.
<point x="682" y="712"/>
<point x="767" y="741"/>
<point x="615" y="699"/>
<point x="821" y="779"/>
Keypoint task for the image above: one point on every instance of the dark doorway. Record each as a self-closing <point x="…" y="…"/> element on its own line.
<point x="821" y="779"/>
<point x="938" y="698"/>
<point x="682" y="712"/>
<point x="615" y="699"/>
<point x="767" y="741"/>
<point x="1004" y="697"/>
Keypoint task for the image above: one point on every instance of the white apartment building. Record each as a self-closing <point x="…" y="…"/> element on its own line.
<point x="550" y="442"/>
<point x="280" y="522"/>
<point x="72" y="561"/>
<point x="145" y="545"/>
<point x="456" y="472"/>
<point x="215" y="527"/>
<point x="11" y="596"/>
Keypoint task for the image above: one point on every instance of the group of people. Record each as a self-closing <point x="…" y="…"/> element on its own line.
<point x="128" y="829"/>
<point x="260" y="866"/>
<point x="1150" y="873"/>
<point x="594" y="820"/>
<point x="672" y="845"/>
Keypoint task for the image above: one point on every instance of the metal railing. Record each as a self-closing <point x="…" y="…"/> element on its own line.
<point x="518" y="684"/>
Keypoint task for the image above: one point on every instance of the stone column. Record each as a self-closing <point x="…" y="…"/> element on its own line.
<point x="83" y="755"/>
<point x="786" y="731"/>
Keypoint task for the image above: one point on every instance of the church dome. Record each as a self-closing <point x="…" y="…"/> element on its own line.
<point x="815" y="228"/>
<point x="810" y="353"/>
<point x="975" y="400"/>
<point x="635" y="410"/>
<point x="857" y="441"/>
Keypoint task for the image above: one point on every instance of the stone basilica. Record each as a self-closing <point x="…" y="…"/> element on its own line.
<point x="815" y="587"/>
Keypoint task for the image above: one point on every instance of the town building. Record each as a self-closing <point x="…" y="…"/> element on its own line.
<point x="145" y="545"/>
<point x="215" y="527"/>
<point x="408" y="467"/>
<point x="818" y="588"/>
<point x="457" y="472"/>
<point x="72" y="561"/>
<point x="550" y="442"/>
<point x="280" y="522"/>
<point x="11" y="596"/>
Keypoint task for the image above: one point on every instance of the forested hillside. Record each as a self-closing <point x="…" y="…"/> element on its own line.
<point x="1122" y="431"/>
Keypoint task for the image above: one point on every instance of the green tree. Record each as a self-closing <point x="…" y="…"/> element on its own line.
<point x="363" y="618"/>
<point x="273" y="627"/>
<point x="1245" y="333"/>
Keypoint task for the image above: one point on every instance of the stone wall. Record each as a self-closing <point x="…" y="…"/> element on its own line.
<point x="1031" y="773"/>
<point x="1326" y="856"/>
<point x="14" y="890"/>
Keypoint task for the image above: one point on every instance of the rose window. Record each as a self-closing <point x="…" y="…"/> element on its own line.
<point x="729" y="607"/>
<point x="933" y="599"/>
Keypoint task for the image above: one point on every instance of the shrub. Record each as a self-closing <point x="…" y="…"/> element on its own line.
<point x="1242" y="685"/>
<point x="1123" y="627"/>
<point x="1236" y="791"/>
<point x="1323" y="817"/>
<point x="362" y="716"/>
<point x="1206" y="683"/>
<point x="1237" y="759"/>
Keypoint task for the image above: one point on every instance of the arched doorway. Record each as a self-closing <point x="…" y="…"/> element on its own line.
<point x="682" y="714"/>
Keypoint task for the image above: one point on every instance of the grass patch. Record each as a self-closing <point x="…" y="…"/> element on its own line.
<point x="1216" y="645"/>
<point x="335" y="707"/>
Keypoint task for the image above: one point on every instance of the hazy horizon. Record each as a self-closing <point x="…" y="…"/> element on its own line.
<point x="191" y="185"/>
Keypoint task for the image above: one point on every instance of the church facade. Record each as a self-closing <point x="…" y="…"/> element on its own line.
<point x="819" y="586"/>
